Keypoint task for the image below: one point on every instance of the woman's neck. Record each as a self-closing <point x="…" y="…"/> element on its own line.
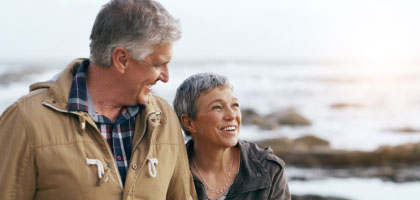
<point x="216" y="167"/>
<point x="212" y="159"/>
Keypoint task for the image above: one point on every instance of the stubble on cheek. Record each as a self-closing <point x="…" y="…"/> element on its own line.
<point x="142" y="98"/>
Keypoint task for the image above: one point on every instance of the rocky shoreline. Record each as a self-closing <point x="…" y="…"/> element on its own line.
<point x="312" y="152"/>
<point x="313" y="158"/>
<point x="315" y="197"/>
<point x="398" y="164"/>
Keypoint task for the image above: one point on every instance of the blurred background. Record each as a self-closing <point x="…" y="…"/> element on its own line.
<point x="331" y="85"/>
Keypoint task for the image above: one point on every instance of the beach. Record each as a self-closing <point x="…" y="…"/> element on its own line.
<point x="352" y="106"/>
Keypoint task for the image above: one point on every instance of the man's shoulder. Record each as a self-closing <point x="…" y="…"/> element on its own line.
<point x="28" y="109"/>
<point x="168" y="114"/>
<point x="161" y="104"/>
<point x="33" y="100"/>
<point x="159" y="101"/>
<point x="27" y="106"/>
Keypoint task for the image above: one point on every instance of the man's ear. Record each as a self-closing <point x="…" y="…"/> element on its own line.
<point x="120" y="59"/>
<point x="188" y="123"/>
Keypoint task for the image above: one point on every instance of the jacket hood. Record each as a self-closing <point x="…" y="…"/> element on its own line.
<point x="59" y="87"/>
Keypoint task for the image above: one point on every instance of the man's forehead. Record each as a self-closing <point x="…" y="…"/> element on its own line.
<point x="163" y="52"/>
<point x="160" y="54"/>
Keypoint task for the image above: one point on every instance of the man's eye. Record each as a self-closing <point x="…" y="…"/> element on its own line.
<point x="160" y="65"/>
<point x="216" y="108"/>
<point x="236" y="105"/>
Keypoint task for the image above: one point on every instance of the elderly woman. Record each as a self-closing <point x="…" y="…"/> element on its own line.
<point x="224" y="167"/>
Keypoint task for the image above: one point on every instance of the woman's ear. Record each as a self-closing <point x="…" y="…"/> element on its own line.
<point x="188" y="123"/>
<point x="120" y="59"/>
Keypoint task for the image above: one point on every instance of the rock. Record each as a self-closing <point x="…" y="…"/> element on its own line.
<point x="288" y="117"/>
<point x="311" y="140"/>
<point x="304" y="144"/>
<point x="267" y="125"/>
<point x="344" y="105"/>
<point x="391" y="163"/>
<point x="403" y="154"/>
<point x="279" y="145"/>
<point x="311" y="143"/>
<point x="274" y="120"/>
<point x="405" y="130"/>
<point x="315" y="197"/>
<point x="386" y="173"/>
<point x="310" y="151"/>
<point x="250" y="117"/>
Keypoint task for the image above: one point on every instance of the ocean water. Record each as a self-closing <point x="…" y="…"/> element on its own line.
<point x="380" y="99"/>
<point x="357" y="189"/>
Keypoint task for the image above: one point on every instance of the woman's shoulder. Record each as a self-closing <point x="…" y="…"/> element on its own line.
<point x="263" y="155"/>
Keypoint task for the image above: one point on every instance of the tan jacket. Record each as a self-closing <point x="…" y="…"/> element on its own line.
<point x="50" y="153"/>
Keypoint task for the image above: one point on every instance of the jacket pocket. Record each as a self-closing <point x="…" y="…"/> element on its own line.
<point x="62" y="172"/>
<point x="153" y="180"/>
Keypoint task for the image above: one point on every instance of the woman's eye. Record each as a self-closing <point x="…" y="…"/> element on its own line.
<point x="216" y="108"/>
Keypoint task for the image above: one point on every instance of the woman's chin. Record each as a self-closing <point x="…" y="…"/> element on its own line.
<point x="231" y="142"/>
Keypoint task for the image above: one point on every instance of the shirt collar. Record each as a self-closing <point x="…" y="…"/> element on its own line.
<point x="78" y="98"/>
<point x="81" y="100"/>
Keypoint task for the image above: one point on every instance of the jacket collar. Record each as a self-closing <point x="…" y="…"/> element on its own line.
<point x="59" y="89"/>
<point x="251" y="176"/>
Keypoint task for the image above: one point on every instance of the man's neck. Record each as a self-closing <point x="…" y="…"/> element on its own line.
<point x="104" y="92"/>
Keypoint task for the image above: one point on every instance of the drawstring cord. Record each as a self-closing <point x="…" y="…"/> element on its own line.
<point x="105" y="179"/>
<point x="82" y="121"/>
<point x="152" y="167"/>
<point x="99" y="164"/>
<point x="101" y="170"/>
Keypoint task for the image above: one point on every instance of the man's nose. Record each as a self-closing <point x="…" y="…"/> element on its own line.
<point x="164" y="74"/>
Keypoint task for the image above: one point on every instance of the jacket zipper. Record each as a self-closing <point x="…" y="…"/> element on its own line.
<point x="103" y="140"/>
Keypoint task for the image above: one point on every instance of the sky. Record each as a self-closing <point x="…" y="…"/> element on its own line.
<point x="290" y="30"/>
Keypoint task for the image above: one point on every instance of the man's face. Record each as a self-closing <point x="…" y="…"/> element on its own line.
<point x="144" y="74"/>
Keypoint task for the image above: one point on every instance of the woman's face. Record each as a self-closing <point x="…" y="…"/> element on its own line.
<point x="218" y="118"/>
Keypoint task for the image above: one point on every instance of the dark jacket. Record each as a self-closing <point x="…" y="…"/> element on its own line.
<point x="261" y="175"/>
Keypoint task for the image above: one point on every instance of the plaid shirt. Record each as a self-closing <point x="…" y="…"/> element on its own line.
<point x="118" y="134"/>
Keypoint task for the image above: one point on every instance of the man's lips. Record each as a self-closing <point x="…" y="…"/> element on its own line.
<point x="149" y="87"/>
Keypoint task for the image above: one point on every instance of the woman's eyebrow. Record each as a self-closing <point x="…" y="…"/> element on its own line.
<point x="214" y="101"/>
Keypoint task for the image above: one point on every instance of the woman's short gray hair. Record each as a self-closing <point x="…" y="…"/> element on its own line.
<point x="192" y="88"/>
<point x="136" y="25"/>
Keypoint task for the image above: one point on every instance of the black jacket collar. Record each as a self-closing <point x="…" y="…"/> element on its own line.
<point x="251" y="176"/>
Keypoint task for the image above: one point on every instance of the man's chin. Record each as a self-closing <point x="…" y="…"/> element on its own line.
<point x="143" y="99"/>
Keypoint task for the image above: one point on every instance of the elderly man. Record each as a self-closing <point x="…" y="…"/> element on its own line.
<point x="96" y="132"/>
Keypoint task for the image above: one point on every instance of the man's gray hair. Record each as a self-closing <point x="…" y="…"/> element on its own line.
<point x="136" y="25"/>
<point x="192" y="88"/>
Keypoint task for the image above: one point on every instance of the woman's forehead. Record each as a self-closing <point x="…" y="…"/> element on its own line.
<point x="218" y="94"/>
